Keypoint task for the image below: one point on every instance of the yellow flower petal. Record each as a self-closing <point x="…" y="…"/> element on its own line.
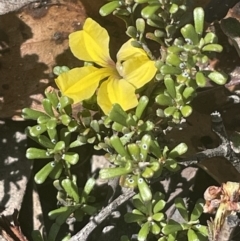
<point x="128" y="51"/>
<point x="91" y="43"/>
<point x="102" y="98"/>
<point x="81" y="83"/>
<point x="138" y="71"/>
<point x="115" y="91"/>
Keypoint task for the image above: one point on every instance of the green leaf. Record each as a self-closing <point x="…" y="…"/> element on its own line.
<point x="171" y="227"/>
<point x="197" y="210"/>
<point x="167" y="69"/>
<point x="140" y="25"/>
<point x="201" y="229"/>
<point x="147" y="173"/>
<point x="71" y="189"/>
<point x="210" y="38"/>
<point x="36" y="153"/>
<point x="181" y="207"/>
<point x="198" y="16"/>
<point x="133" y="217"/>
<point x="173" y="59"/>
<point x="132" y="32"/>
<point x="188" y="93"/>
<point x="143" y="102"/>
<point x="37" y="130"/>
<point x="164" y="100"/>
<point x="144" y="190"/>
<point x="47" y="105"/>
<point x="218" y="78"/>
<point x="186" y="110"/>
<point x="178" y="150"/>
<point x="107" y="173"/>
<point x="159" y="206"/>
<point x="189" y="33"/>
<point x="42" y="175"/>
<point x="109" y="8"/>
<point x="144" y="231"/>
<point x="71" y="157"/>
<point x="28" y="113"/>
<point x="118" y="115"/>
<point x="170" y="85"/>
<point x="169" y="111"/>
<point x="149" y="10"/>
<point x="57" y="171"/>
<point x="118" y="146"/>
<point x="134" y="151"/>
<point x="192" y="236"/>
<point x="213" y="48"/>
<point x="155" y="228"/>
<point x="201" y="79"/>
<point x="144" y="147"/>
<point x="158" y="217"/>
<point x="36" y="236"/>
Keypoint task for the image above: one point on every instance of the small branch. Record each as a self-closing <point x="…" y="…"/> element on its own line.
<point x="88" y="229"/>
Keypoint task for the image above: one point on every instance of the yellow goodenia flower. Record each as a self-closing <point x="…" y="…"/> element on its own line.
<point x="132" y="70"/>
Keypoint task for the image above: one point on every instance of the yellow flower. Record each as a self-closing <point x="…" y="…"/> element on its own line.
<point x="118" y="80"/>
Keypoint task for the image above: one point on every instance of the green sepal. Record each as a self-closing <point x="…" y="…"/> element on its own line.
<point x="51" y="94"/>
<point x="186" y="110"/>
<point x="178" y="150"/>
<point x="144" y="231"/>
<point x="144" y="190"/>
<point x="210" y="38"/>
<point x="47" y="105"/>
<point x="118" y="146"/>
<point x="170" y="85"/>
<point x="144" y="147"/>
<point x="149" y="10"/>
<point x="37" y="130"/>
<point x="118" y="115"/>
<point x="218" y="78"/>
<point x="140" y="25"/>
<point x="71" y="189"/>
<point x="142" y="104"/>
<point x="164" y="100"/>
<point x="57" y="171"/>
<point x="71" y="157"/>
<point x="42" y="175"/>
<point x="173" y="59"/>
<point x="171" y="227"/>
<point x="133" y="217"/>
<point x="65" y="119"/>
<point x="109" y="8"/>
<point x="155" y="228"/>
<point x="36" y="153"/>
<point x="36" y="235"/>
<point x="107" y="173"/>
<point x="167" y="69"/>
<point x="213" y="48"/>
<point x="197" y="210"/>
<point x="189" y="32"/>
<point x="198" y="16"/>
<point x="201" y="79"/>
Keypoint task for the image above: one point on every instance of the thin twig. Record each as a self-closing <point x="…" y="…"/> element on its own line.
<point x="88" y="229"/>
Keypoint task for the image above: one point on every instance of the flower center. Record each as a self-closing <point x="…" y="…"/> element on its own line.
<point x="119" y="68"/>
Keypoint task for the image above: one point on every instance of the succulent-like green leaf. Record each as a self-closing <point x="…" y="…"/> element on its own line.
<point x="201" y="79"/>
<point x="181" y="207"/>
<point x="186" y="110"/>
<point x="210" y="38"/>
<point x="71" y="189"/>
<point x="218" y="78"/>
<point x="107" y="173"/>
<point x="133" y="217"/>
<point x="109" y="8"/>
<point x="140" y="25"/>
<point x="149" y="10"/>
<point x="118" y="115"/>
<point x="143" y="102"/>
<point x="198" y="15"/>
<point x="178" y="150"/>
<point x="36" y="236"/>
<point x="197" y="210"/>
<point x="42" y="175"/>
<point x="31" y="114"/>
<point x="71" y="157"/>
<point x="189" y="33"/>
<point x="144" y="147"/>
<point x="57" y="171"/>
<point x="167" y="69"/>
<point x="171" y="227"/>
<point x="164" y="100"/>
<point x="158" y="217"/>
<point x="170" y="85"/>
<point x="47" y="105"/>
<point x="36" y="153"/>
<point x="144" y="190"/>
<point x="159" y="205"/>
<point x="118" y="146"/>
<point x="144" y="231"/>
<point x="213" y="48"/>
<point x="192" y="236"/>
